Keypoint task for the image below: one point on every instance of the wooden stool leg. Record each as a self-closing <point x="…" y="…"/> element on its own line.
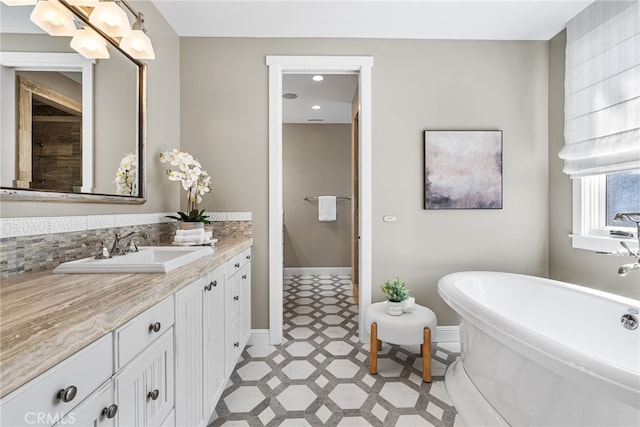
<point x="379" y="345"/>
<point x="426" y="356"/>
<point x="373" y="350"/>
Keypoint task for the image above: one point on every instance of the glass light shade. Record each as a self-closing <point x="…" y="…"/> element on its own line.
<point x="111" y="19"/>
<point x="138" y="45"/>
<point x="85" y="3"/>
<point x="19" y="2"/>
<point x="90" y="44"/>
<point x="53" y="18"/>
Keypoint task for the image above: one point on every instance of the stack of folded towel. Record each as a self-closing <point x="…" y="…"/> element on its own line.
<point x="195" y="236"/>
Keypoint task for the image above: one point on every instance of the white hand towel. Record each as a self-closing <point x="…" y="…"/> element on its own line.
<point x="326" y="208"/>
<point x="195" y="232"/>
<point x="188" y="239"/>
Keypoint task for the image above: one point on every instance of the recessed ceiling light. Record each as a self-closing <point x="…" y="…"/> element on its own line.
<point x="317" y="78"/>
<point x="289" y="96"/>
<point x="315" y="107"/>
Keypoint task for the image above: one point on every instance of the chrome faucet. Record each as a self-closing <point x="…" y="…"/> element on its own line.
<point x="635" y="218"/>
<point x="117" y="239"/>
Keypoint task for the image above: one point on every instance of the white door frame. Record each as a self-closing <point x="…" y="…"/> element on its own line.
<point x="279" y="65"/>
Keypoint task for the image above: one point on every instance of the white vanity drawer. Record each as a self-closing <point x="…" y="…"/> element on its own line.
<point x="135" y="335"/>
<point x="237" y="262"/>
<point x="38" y="402"/>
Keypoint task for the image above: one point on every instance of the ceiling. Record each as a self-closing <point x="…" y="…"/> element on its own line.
<point x="414" y="19"/>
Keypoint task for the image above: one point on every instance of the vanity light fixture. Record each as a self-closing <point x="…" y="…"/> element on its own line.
<point x="111" y="19"/>
<point x="317" y="78"/>
<point x="137" y="43"/>
<point x="316" y="107"/>
<point x="90" y="44"/>
<point x="53" y="18"/>
<point x="19" y="2"/>
<point x="83" y="3"/>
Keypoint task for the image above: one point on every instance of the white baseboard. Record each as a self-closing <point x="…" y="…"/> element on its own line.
<point x="259" y="337"/>
<point x="447" y="334"/>
<point x="309" y="271"/>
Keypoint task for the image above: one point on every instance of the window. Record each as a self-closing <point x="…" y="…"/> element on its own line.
<point x="596" y="200"/>
<point x="622" y="195"/>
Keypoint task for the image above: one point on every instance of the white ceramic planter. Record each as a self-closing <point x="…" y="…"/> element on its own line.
<point x="394" y="308"/>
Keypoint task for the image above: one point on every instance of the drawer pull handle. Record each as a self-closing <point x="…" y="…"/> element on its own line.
<point x="68" y="394"/>
<point x="211" y="285"/>
<point x="237" y="265"/>
<point x="111" y="411"/>
<point x="236" y="298"/>
<point x="244" y="276"/>
<point x="236" y="344"/>
<point x="248" y="256"/>
<point x="155" y="327"/>
<point x="153" y="395"/>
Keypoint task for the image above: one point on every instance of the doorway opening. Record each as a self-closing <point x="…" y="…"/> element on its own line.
<point x="279" y="66"/>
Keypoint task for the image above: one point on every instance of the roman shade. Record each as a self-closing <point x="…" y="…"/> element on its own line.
<point x="602" y="90"/>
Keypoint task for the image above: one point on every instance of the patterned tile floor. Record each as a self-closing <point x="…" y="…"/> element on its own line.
<point x="320" y="375"/>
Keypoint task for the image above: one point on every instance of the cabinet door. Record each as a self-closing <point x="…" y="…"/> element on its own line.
<point x="98" y="410"/>
<point x="144" y="388"/>
<point x="245" y="304"/>
<point x="189" y="350"/>
<point x="214" y="340"/>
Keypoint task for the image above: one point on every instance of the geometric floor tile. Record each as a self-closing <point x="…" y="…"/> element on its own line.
<point x="319" y="376"/>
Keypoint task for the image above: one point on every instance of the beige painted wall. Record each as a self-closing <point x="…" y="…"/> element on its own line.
<point x="416" y="85"/>
<point x="163" y="121"/>
<point x="317" y="161"/>
<point x="565" y="263"/>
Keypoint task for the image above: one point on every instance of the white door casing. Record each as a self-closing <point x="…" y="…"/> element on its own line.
<point x="279" y="65"/>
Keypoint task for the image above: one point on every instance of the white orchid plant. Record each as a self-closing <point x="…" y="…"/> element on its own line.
<point x="126" y="176"/>
<point x="195" y="181"/>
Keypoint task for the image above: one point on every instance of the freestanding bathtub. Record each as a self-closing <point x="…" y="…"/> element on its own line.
<point x="538" y="352"/>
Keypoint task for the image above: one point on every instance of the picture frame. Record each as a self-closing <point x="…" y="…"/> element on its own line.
<point x="462" y="169"/>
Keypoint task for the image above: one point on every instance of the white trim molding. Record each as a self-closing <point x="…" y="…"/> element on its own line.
<point x="311" y="271"/>
<point x="259" y="337"/>
<point x="278" y="66"/>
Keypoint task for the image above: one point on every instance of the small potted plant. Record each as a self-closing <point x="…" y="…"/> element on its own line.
<point x="396" y="292"/>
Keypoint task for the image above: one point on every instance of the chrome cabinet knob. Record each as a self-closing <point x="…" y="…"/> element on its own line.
<point x="155" y="327"/>
<point x="153" y="395"/>
<point x="244" y="276"/>
<point x="248" y="256"/>
<point x="68" y="394"/>
<point x="111" y="411"/>
<point x="236" y="298"/>
<point x="236" y="344"/>
<point x="237" y="265"/>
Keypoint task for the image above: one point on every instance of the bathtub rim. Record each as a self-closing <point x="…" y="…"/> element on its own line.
<point x="619" y="383"/>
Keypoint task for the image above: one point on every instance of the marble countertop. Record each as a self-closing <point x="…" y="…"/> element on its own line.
<point x="47" y="317"/>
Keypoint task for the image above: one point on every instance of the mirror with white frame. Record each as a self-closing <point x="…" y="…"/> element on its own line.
<point x="67" y="123"/>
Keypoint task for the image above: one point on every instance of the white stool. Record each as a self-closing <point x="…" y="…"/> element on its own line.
<point x="408" y="329"/>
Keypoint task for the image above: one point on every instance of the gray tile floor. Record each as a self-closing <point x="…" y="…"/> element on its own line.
<point x="320" y="375"/>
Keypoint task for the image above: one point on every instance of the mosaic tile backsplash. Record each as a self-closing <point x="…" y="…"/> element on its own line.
<point x="25" y="252"/>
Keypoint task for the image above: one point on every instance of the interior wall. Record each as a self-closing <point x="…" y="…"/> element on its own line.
<point x="163" y="120"/>
<point x="565" y="263"/>
<point x="416" y="85"/>
<point x="317" y="161"/>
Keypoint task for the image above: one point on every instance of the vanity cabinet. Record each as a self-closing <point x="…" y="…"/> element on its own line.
<point x="99" y="410"/>
<point x="144" y="388"/>
<point x="212" y="327"/>
<point x="167" y="366"/>
<point x="48" y="398"/>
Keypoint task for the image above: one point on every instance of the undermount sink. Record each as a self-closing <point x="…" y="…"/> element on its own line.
<point x="149" y="259"/>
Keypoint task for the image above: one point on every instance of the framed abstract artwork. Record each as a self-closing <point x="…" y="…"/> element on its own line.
<point x="462" y="169"/>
